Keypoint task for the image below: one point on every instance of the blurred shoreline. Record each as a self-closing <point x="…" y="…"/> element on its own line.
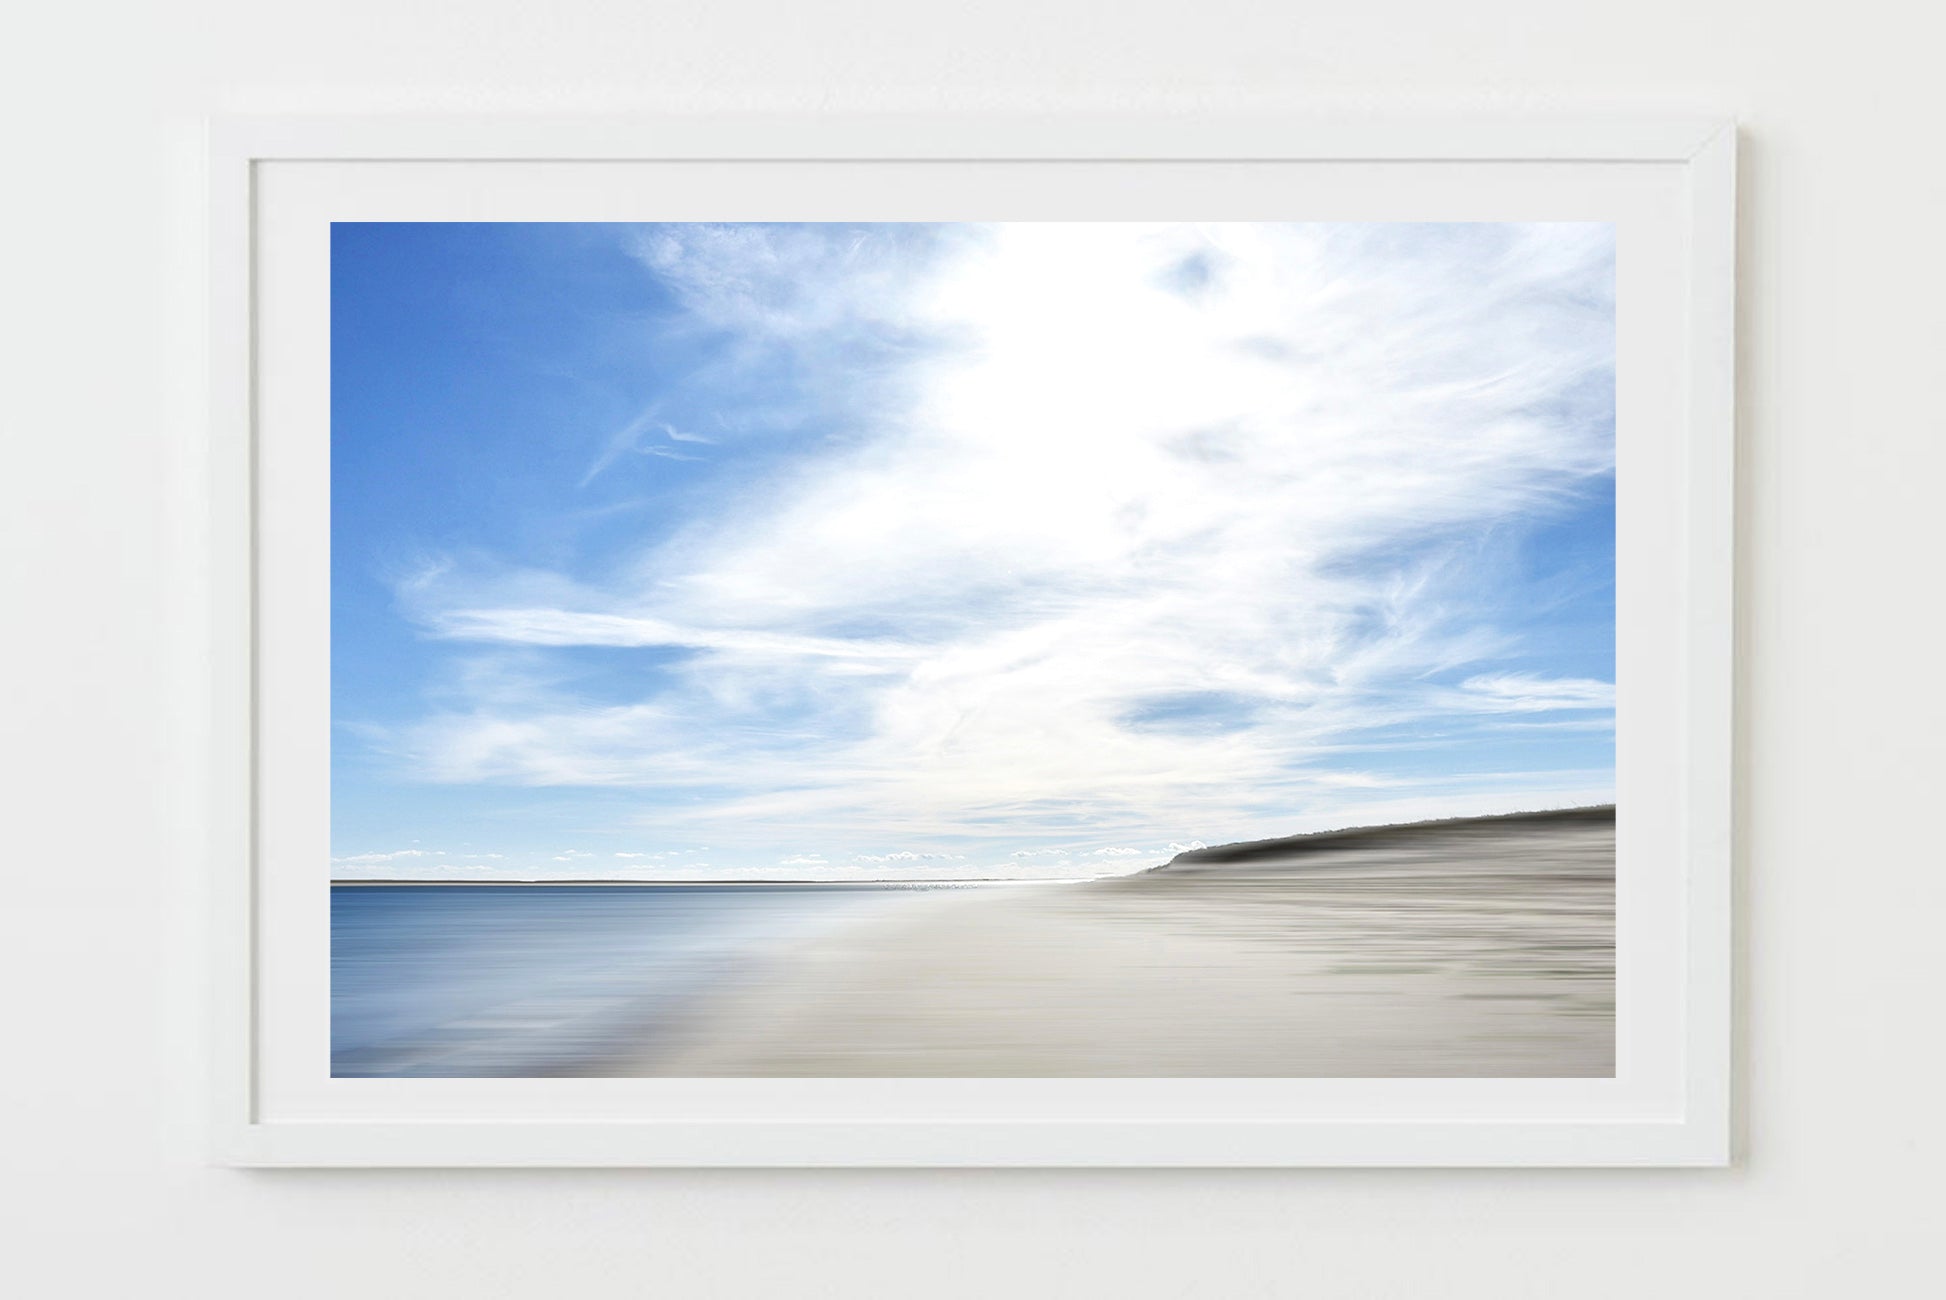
<point x="1479" y="947"/>
<point x="1476" y="947"/>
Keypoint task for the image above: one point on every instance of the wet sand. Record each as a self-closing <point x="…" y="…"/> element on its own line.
<point x="1481" y="948"/>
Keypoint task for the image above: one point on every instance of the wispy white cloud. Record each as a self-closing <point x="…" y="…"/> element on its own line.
<point x="640" y="435"/>
<point x="1132" y="529"/>
<point x="367" y="859"/>
<point x="1525" y="693"/>
<point x="559" y="627"/>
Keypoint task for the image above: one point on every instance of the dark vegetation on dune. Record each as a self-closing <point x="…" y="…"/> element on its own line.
<point x="1399" y="834"/>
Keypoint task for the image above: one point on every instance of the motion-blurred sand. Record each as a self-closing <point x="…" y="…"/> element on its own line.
<point x="1481" y="948"/>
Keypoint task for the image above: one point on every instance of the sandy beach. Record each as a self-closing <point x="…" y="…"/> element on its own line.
<point x="1477" y="948"/>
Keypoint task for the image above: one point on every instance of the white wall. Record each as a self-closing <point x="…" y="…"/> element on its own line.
<point x="1844" y="450"/>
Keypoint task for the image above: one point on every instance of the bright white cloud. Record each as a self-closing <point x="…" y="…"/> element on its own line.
<point x="365" y="859"/>
<point x="1522" y="693"/>
<point x="1135" y="526"/>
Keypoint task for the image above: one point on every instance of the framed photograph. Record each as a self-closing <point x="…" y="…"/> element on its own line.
<point x="972" y="641"/>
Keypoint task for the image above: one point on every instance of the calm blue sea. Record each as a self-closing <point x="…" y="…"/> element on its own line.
<point x="533" y="980"/>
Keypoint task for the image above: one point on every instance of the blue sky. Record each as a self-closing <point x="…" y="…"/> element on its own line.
<point x="843" y="550"/>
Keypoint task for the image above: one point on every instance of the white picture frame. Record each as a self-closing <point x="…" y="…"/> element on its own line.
<point x="1670" y="1102"/>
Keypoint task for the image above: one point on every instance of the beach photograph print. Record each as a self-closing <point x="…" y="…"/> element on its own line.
<point x="1038" y="650"/>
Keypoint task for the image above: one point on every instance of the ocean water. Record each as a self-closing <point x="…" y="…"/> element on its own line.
<point x="450" y="981"/>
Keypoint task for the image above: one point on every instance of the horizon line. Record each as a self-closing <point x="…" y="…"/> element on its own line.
<point x="941" y="881"/>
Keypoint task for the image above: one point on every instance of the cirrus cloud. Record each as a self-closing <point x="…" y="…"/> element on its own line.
<point x="1090" y="533"/>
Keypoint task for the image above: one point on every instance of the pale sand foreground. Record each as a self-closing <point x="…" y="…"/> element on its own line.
<point x="1482" y="948"/>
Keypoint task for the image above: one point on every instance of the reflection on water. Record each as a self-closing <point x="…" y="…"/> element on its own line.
<point x="480" y="980"/>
